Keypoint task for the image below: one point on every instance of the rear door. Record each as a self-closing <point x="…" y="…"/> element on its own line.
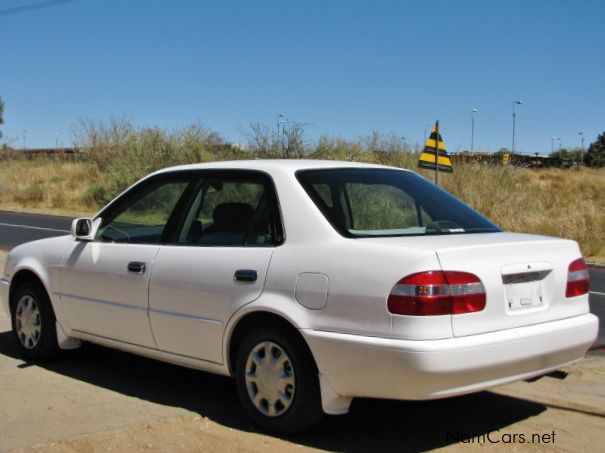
<point x="217" y="264"/>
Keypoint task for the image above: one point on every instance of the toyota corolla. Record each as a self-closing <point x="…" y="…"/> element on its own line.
<point x="310" y="282"/>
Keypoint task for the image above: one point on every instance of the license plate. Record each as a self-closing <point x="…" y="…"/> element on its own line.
<point x="523" y="291"/>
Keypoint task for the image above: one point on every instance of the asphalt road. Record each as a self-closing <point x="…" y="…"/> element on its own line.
<point x="17" y="228"/>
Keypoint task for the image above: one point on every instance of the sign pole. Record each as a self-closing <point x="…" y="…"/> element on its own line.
<point x="437" y="153"/>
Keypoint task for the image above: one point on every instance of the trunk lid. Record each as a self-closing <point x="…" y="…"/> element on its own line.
<point x="525" y="277"/>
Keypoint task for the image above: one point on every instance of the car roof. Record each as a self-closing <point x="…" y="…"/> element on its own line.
<point x="275" y="165"/>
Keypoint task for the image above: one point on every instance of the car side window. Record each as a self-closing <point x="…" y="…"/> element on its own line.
<point x="382" y="206"/>
<point x="231" y="211"/>
<point x="325" y="193"/>
<point x="142" y="217"/>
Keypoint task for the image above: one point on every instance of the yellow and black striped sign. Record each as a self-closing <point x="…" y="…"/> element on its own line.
<point x="434" y="146"/>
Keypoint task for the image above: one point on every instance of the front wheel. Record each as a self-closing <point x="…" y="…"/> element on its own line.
<point x="277" y="381"/>
<point x="34" y="322"/>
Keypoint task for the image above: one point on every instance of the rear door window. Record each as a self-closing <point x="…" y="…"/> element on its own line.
<point x="232" y="209"/>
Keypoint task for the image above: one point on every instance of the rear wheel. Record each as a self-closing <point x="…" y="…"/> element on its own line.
<point x="277" y="381"/>
<point x="34" y="322"/>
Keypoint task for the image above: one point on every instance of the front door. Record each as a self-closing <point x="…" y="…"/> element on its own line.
<point x="105" y="283"/>
<point x="102" y="296"/>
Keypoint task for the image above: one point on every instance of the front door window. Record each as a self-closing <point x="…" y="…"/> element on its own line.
<point x="142" y="218"/>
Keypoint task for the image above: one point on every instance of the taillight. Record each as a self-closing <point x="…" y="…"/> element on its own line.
<point x="437" y="293"/>
<point x="578" y="279"/>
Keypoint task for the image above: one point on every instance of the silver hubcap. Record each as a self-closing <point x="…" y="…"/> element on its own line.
<point x="270" y="379"/>
<point x="28" y="322"/>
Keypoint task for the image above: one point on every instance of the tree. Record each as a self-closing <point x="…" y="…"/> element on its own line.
<point x="569" y="154"/>
<point x="565" y="158"/>
<point x="286" y="142"/>
<point x="595" y="156"/>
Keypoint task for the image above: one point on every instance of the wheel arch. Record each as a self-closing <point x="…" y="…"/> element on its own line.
<point x="280" y="311"/>
<point x="23" y="275"/>
<point x="249" y="321"/>
<point x="30" y="273"/>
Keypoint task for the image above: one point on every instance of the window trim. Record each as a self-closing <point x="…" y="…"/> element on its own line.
<point x="122" y="201"/>
<point x="233" y="174"/>
<point x="175" y="222"/>
<point x="341" y="229"/>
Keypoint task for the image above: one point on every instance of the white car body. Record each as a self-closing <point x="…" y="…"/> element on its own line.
<point x="332" y="289"/>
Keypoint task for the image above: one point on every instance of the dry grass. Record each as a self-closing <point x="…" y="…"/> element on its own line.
<point x="553" y="202"/>
<point x="564" y="203"/>
<point x="47" y="185"/>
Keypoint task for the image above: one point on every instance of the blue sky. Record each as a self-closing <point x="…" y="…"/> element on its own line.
<point x="346" y="68"/>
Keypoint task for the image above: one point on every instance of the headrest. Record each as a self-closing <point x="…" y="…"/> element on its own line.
<point x="232" y="217"/>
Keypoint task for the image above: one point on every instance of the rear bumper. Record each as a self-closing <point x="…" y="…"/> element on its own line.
<point x="358" y="366"/>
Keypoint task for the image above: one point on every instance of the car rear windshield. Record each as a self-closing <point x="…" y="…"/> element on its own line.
<point x="368" y="202"/>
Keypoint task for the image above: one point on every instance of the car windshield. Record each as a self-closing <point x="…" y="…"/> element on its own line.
<point x="369" y="202"/>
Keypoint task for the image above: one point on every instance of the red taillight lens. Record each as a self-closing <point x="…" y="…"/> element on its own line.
<point x="578" y="281"/>
<point x="435" y="293"/>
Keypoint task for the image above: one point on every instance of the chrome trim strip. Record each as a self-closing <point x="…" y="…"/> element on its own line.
<point x="103" y="302"/>
<point x="145" y="309"/>
<point x="180" y="315"/>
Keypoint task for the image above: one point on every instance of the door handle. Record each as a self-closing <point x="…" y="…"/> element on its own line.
<point x="245" y="275"/>
<point x="136" y="267"/>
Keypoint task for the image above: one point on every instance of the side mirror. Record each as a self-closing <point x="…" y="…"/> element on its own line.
<point x="82" y="229"/>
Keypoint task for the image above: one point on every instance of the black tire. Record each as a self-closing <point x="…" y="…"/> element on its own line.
<point x="43" y="345"/>
<point x="304" y="410"/>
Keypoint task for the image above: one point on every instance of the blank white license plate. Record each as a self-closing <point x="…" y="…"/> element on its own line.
<point x="523" y="292"/>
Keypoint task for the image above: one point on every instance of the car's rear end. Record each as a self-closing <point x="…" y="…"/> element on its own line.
<point x="496" y="282"/>
<point x="514" y="311"/>
<point x="496" y="307"/>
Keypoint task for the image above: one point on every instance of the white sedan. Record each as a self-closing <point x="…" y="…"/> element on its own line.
<point x="310" y="282"/>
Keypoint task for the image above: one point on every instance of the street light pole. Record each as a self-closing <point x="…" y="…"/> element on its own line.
<point x="473" y="129"/>
<point x="514" y="120"/>
<point x="552" y="145"/>
<point x="560" y="146"/>
<point x="437" y="152"/>
<point x="280" y="121"/>
<point x="581" y="134"/>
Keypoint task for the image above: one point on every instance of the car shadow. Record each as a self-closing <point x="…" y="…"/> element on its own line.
<point x="370" y="425"/>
